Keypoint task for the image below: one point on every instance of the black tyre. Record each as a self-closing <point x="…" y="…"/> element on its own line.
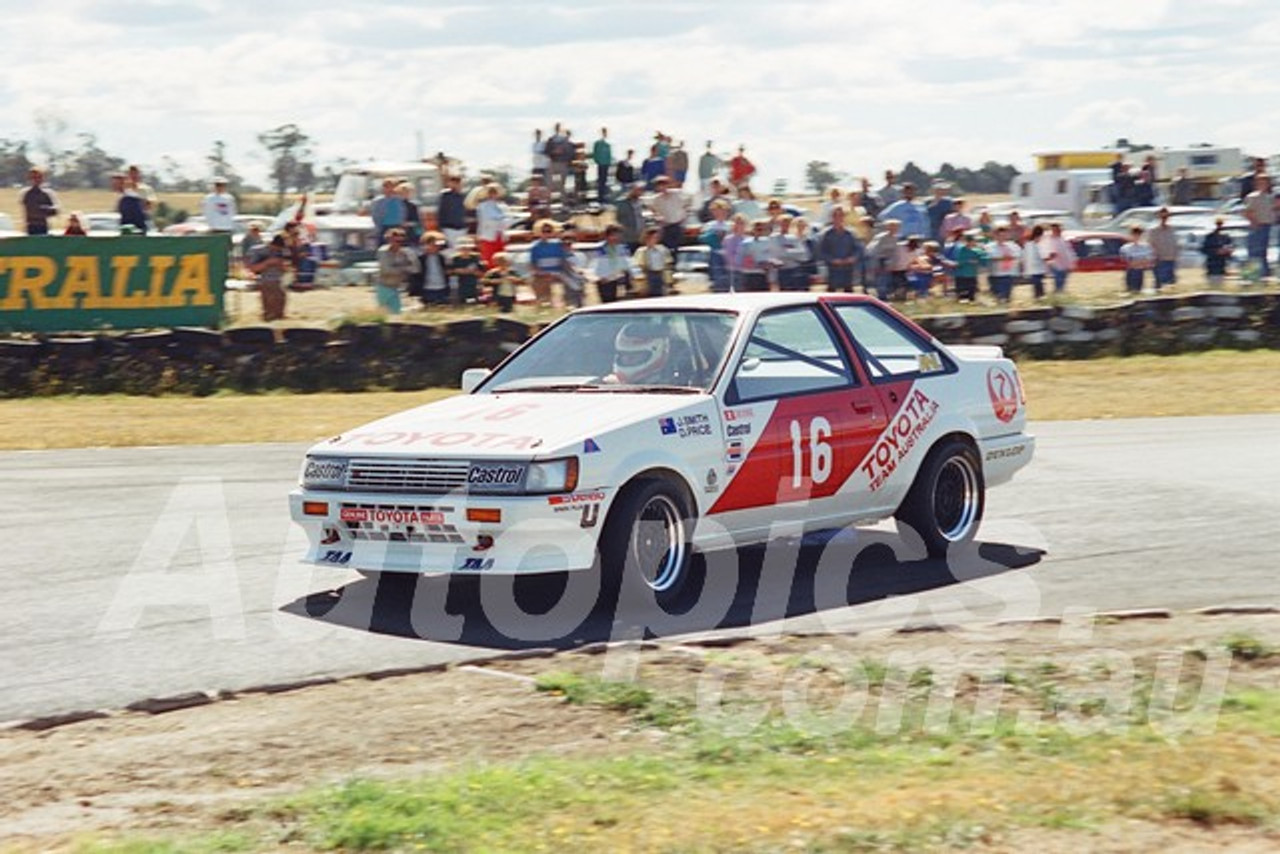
<point x="645" y="547"/>
<point x="945" y="503"/>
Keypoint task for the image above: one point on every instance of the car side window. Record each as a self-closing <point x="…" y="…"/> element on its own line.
<point x="791" y="351"/>
<point x="890" y="350"/>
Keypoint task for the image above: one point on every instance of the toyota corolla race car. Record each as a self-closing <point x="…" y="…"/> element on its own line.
<point x="624" y="437"/>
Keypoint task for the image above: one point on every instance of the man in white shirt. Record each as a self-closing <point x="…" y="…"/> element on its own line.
<point x="672" y="209"/>
<point x="219" y="208"/>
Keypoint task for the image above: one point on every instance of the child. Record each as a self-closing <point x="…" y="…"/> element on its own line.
<point x="502" y="282"/>
<point x="1138" y="258"/>
<point x="571" y="278"/>
<point x="435" y="276"/>
<point x="653" y="259"/>
<point x="546" y="254"/>
<point x="970" y="258"/>
<point x="1006" y="258"/>
<point x="919" y="268"/>
<point x="465" y="266"/>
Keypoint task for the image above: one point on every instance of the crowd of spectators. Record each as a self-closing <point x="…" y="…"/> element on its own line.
<point x="895" y="241"/>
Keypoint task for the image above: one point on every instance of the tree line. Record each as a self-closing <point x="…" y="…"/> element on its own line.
<point x="991" y="177"/>
<point x="78" y="161"/>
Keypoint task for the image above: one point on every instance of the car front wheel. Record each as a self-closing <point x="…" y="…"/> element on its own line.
<point x="945" y="503"/>
<point x="645" y="548"/>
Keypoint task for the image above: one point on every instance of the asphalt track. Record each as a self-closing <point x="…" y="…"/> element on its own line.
<point x="145" y="572"/>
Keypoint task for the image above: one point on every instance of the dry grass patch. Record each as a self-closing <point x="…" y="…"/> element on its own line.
<point x="1217" y="383"/>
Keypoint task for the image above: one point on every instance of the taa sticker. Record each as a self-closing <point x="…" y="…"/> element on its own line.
<point x="334" y="556"/>
<point x="1003" y="389"/>
<point x="476" y="564"/>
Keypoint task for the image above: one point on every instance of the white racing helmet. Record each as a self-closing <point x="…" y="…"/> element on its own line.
<point x="641" y="351"/>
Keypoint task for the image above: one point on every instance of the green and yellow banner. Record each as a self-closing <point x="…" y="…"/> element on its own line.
<point x="63" y="284"/>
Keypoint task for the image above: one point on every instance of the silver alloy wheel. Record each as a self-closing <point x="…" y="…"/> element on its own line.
<point x="956" y="498"/>
<point x="658" y="543"/>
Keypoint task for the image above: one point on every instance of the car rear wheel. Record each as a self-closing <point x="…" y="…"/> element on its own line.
<point x="945" y="503"/>
<point x="645" y="548"/>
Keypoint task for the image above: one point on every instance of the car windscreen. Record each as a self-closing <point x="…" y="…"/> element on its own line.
<point x="676" y="351"/>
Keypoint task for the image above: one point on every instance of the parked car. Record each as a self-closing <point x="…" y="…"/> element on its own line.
<point x="626" y="436"/>
<point x="101" y="224"/>
<point x="1146" y="217"/>
<point x="1097" y="251"/>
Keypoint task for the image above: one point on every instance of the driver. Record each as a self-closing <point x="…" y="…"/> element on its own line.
<point x="642" y="351"/>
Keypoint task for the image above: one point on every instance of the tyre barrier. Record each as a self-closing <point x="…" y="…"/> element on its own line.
<point x="408" y="356"/>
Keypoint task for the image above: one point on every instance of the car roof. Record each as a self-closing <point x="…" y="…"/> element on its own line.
<point x="738" y="302"/>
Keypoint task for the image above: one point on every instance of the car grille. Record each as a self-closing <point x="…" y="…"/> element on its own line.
<point x="426" y="477"/>
<point x="396" y="532"/>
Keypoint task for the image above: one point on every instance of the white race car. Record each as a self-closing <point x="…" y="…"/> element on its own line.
<point x="625" y="437"/>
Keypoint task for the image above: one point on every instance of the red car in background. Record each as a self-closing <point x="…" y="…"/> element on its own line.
<point x="1097" y="251"/>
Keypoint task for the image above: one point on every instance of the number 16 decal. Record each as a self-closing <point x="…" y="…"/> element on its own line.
<point x="820" y="453"/>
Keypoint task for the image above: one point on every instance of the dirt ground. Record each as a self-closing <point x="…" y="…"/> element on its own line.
<point x="192" y="769"/>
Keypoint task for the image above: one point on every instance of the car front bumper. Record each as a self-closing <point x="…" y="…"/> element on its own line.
<point x="379" y="532"/>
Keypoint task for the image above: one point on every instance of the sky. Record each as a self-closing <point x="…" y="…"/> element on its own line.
<point x="859" y="85"/>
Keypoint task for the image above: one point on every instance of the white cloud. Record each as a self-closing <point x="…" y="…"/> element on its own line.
<point x="863" y="86"/>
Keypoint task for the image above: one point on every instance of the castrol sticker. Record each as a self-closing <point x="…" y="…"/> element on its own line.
<point x="1003" y="389"/>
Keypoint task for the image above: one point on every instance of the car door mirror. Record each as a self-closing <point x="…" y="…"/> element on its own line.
<point x="472" y="377"/>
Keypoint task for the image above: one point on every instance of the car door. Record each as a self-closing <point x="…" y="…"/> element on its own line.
<point x="797" y="420"/>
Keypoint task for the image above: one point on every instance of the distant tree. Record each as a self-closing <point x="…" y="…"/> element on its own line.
<point x="327" y="181"/>
<point x="14" y="162"/>
<point x="818" y="176"/>
<point x="220" y="167"/>
<point x="89" y="166"/>
<point x="50" y="128"/>
<point x="289" y="151"/>
<point x="780" y="187"/>
<point x="913" y="174"/>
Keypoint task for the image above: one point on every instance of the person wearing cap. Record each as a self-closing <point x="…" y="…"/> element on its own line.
<point x="1164" y="243"/>
<point x="547" y="258"/>
<point x="218" y="208"/>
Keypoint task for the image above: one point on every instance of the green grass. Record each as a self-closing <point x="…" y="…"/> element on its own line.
<point x="779" y="785"/>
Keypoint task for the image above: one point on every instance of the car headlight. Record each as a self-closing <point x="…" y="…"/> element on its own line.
<point x="552" y="476"/>
<point x="324" y="473"/>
